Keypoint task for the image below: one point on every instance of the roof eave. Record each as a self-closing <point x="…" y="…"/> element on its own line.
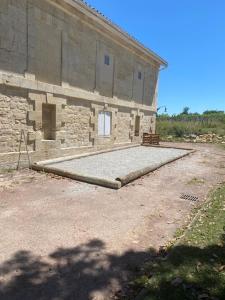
<point x="90" y="11"/>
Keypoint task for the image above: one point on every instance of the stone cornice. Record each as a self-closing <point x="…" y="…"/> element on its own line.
<point x="12" y="80"/>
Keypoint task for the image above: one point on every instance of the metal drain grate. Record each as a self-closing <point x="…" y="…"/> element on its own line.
<point x="189" y="197"/>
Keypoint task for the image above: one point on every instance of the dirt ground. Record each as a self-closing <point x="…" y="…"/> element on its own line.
<point x="62" y="239"/>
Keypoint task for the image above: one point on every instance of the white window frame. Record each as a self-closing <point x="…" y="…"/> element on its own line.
<point x="104" y="123"/>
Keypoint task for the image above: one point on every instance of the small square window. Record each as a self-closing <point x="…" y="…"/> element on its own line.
<point x="139" y="75"/>
<point x="107" y="60"/>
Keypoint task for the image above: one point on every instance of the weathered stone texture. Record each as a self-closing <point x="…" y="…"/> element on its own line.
<point x="138" y="83"/>
<point x="13" y="45"/>
<point x="46" y="53"/>
<point x="148" y="123"/>
<point x="39" y="39"/>
<point x="13" y="117"/>
<point x="77" y="125"/>
<point x="150" y="82"/>
<point x="52" y="56"/>
<point x="123" y="127"/>
<point x="105" y="73"/>
<point x="124" y="68"/>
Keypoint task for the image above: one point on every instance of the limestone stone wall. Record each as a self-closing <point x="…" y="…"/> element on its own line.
<point x="124" y="69"/>
<point x="77" y="125"/>
<point x="14" y="107"/>
<point x="123" y="127"/>
<point x="149" y="122"/>
<point x="13" y="47"/>
<point x="43" y="42"/>
<point x="53" y="55"/>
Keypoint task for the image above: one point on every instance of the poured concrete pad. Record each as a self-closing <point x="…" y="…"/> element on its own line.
<point x="115" y="168"/>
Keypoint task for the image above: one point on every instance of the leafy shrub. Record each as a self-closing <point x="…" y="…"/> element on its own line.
<point x="188" y="124"/>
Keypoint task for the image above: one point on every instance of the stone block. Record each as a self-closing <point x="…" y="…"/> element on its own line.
<point x="32" y="116"/>
<point x="37" y="97"/>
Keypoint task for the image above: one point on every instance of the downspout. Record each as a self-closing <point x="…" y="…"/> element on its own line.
<point x="163" y="68"/>
<point x="160" y="69"/>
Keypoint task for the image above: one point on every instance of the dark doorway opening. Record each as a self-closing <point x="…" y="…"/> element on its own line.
<point x="49" y="121"/>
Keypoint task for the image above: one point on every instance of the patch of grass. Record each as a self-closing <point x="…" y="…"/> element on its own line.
<point x="179" y="232"/>
<point x="195" y="267"/>
<point x="6" y="171"/>
<point x="196" y="181"/>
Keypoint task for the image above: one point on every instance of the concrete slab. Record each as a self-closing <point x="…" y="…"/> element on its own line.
<point x="116" y="168"/>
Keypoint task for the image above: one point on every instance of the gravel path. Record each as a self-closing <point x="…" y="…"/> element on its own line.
<point x="119" y="163"/>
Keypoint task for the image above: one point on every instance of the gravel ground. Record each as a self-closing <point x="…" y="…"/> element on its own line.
<point x="119" y="163"/>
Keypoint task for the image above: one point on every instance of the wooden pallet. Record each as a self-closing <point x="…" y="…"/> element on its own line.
<point x="150" y="139"/>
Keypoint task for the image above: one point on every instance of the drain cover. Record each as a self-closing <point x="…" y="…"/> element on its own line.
<point x="188" y="197"/>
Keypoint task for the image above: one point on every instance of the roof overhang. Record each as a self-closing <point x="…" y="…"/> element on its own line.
<point x="114" y="30"/>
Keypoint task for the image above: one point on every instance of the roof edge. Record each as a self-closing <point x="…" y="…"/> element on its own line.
<point x="92" y="12"/>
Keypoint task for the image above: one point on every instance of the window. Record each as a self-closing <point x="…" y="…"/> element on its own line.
<point x="104" y="123"/>
<point x="49" y="121"/>
<point x="137" y="126"/>
<point x="107" y="60"/>
<point x="139" y="75"/>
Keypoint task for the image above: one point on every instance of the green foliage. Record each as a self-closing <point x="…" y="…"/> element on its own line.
<point x="195" y="268"/>
<point x="6" y="171"/>
<point x="210" y="112"/>
<point x="185" y="110"/>
<point x="191" y="123"/>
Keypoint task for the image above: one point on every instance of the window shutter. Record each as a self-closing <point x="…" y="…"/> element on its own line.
<point x="104" y="123"/>
<point x="101" y="123"/>
<point x="107" y="123"/>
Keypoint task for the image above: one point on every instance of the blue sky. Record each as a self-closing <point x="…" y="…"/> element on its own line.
<point x="190" y="35"/>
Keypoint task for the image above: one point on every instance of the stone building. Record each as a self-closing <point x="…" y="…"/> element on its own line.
<point x="72" y="80"/>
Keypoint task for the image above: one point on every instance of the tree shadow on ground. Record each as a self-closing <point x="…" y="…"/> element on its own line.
<point x="76" y="273"/>
<point x="188" y="273"/>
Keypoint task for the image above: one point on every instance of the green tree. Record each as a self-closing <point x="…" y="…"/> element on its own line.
<point x="185" y="110"/>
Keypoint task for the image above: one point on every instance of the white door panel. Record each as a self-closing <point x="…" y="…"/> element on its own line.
<point x="107" y="123"/>
<point x="101" y="123"/>
<point x="104" y="123"/>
